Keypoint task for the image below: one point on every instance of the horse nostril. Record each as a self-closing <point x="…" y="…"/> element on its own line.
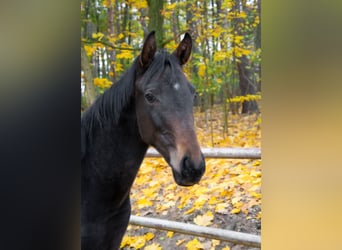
<point x="186" y="162"/>
<point x="187" y="167"/>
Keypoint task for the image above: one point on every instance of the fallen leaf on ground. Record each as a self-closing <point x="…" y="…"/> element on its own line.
<point x="204" y="220"/>
<point x="194" y="245"/>
<point x="153" y="246"/>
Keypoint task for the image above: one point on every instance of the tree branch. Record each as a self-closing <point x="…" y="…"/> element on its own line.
<point x="171" y="38"/>
<point x="105" y="43"/>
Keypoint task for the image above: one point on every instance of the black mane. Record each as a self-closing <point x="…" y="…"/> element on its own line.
<point x="109" y="105"/>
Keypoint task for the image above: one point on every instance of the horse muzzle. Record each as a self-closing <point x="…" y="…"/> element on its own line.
<point x="189" y="173"/>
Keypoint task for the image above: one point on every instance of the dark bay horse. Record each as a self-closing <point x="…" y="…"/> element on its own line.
<point x="152" y="104"/>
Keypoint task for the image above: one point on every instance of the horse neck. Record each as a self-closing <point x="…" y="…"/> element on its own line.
<point x="124" y="139"/>
<point x="127" y="133"/>
<point x="114" y="157"/>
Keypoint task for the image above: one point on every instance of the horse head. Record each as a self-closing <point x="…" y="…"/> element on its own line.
<point x="164" y="109"/>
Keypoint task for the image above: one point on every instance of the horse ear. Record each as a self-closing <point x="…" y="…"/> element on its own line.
<point x="149" y="49"/>
<point x="183" y="50"/>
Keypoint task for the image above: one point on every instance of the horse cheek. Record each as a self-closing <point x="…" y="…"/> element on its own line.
<point x="144" y="125"/>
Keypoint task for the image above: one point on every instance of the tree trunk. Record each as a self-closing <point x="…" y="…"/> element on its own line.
<point x="90" y="91"/>
<point x="258" y="43"/>
<point x="192" y="25"/>
<point x="111" y="34"/>
<point x="142" y="20"/>
<point x="174" y="24"/>
<point x="246" y="86"/>
<point x="125" y="19"/>
<point x="156" y="20"/>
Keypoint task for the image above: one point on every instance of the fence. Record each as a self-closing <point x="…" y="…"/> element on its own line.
<point x="208" y="232"/>
<point x="232" y="153"/>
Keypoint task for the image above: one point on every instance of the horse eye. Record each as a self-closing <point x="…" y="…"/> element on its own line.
<point x="195" y="97"/>
<point x="150" y="98"/>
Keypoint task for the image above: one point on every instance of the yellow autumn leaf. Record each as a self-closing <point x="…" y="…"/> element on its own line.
<point x="215" y="243"/>
<point x="255" y="173"/>
<point x="139" y="4"/>
<point x="259" y="215"/>
<point x="238" y="204"/>
<point x="172" y="46"/>
<point x="102" y="82"/>
<point x="201" y="70"/>
<point x="105" y="3"/>
<point x="139" y="242"/>
<point x="221" y="208"/>
<point x="257" y="20"/>
<point x="120" y="36"/>
<point x="170" y="234"/>
<point x="256" y="195"/>
<point x="133" y="241"/>
<point x="217" y="31"/>
<point x="204" y="220"/>
<point x="235" y="210"/>
<point x="144" y="203"/>
<point x="97" y="36"/>
<point x="189" y="211"/>
<point x="235" y="200"/>
<point x="180" y="242"/>
<point x="170" y="6"/>
<point x="227" y="4"/>
<point x="89" y="50"/>
<point x="194" y="245"/>
<point x="243" y="14"/>
<point x="226" y="193"/>
<point x="219" y="56"/>
<point x="97" y="81"/>
<point x="149" y="236"/>
<point x="201" y="201"/>
<point x="245" y="52"/>
<point x="237" y="39"/>
<point x="149" y="192"/>
<point x="212" y="200"/>
<point x="257" y="162"/>
<point x="166" y="205"/>
<point x="118" y="66"/>
<point x="226" y="248"/>
<point x="125" y="241"/>
<point x="166" y="13"/>
<point x="154" y="246"/>
<point x="125" y="54"/>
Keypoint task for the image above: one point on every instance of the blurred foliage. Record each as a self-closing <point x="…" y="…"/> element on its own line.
<point x="223" y="31"/>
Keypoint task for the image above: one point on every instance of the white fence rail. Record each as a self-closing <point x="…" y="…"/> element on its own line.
<point x="191" y="229"/>
<point x="232" y="153"/>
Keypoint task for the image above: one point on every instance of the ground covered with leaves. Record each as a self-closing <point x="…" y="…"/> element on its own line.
<point x="227" y="197"/>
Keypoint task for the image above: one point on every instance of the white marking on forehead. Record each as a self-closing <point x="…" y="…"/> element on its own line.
<point x="176" y="86"/>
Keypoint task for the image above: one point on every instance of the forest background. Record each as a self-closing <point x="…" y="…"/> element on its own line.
<point x="225" y="66"/>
